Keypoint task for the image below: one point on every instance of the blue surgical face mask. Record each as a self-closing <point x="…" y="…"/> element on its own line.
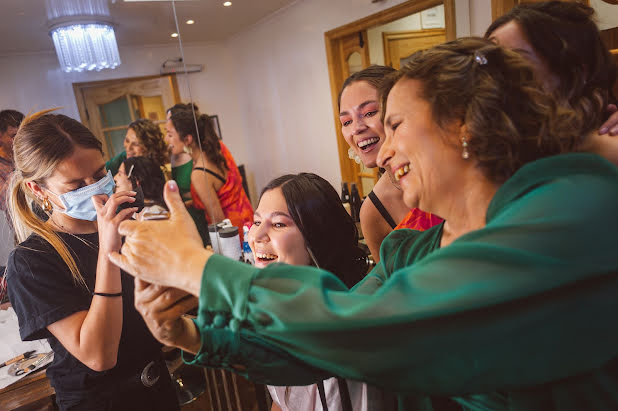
<point x="78" y="203"/>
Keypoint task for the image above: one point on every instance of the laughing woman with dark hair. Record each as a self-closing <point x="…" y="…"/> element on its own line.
<point x="300" y="221"/>
<point x="329" y="233"/>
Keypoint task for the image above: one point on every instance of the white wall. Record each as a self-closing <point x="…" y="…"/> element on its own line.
<point x="480" y="17"/>
<point x="607" y="14"/>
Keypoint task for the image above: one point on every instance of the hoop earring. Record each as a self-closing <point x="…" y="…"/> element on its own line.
<point x="465" y="154"/>
<point x="188" y="149"/>
<point x="47" y="205"/>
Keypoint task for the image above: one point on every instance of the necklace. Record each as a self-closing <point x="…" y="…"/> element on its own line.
<point x="57" y="224"/>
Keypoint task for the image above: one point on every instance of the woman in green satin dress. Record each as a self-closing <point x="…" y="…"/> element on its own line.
<point x="509" y="304"/>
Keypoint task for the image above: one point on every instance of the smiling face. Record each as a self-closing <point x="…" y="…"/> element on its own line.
<point x="361" y="125"/>
<point x="123" y="183"/>
<point x="511" y="36"/>
<point x="174" y="143"/>
<point x="423" y="157"/>
<point x="132" y="145"/>
<point x="274" y="237"/>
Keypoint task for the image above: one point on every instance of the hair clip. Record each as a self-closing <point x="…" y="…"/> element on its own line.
<point x="130" y="171"/>
<point x="480" y="58"/>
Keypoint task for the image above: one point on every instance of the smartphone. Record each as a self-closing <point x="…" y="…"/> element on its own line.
<point x="139" y="201"/>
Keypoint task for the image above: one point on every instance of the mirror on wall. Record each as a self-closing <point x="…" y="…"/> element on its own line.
<point x="141" y="69"/>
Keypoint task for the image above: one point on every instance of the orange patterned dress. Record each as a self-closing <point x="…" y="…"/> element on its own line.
<point x="232" y="197"/>
<point x="419" y="220"/>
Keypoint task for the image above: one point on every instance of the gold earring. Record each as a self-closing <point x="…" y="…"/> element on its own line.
<point x="47" y="205"/>
<point x="465" y="154"/>
<point x="188" y="149"/>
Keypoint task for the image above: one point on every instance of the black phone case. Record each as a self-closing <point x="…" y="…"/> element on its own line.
<point x="139" y="201"/>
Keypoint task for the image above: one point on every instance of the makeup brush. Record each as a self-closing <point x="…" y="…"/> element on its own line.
<point x="27" y="354"/>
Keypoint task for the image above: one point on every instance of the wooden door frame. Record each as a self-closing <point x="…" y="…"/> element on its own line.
<point x="333" y="56"/>
<point x="408" y="34"/>
<point x="79" y="88"/>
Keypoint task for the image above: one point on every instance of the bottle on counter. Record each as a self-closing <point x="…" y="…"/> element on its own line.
<point x="246" y="250"/>
<point x="345" y="194"/>
<point x="229" y="242"/>
<point x="355" y="202"/>
<point x="345" y="197"/>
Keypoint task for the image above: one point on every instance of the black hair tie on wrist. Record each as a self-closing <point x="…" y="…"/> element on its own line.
<point x="108" y="294"/>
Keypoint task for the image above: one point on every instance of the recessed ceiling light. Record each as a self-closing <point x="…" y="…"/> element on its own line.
<point x="174" y="35"/>
<point x="227" y="3"/>
<point x="190" y="22"/>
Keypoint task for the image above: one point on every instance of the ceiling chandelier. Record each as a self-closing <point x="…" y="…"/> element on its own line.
<point x="83" y="35"/>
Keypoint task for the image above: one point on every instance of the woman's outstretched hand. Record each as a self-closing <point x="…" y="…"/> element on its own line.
<point x="164" y="252"/>
<point x="162" y="309"/>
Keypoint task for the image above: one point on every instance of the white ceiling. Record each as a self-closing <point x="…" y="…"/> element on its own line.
<point x="23" y="23"/>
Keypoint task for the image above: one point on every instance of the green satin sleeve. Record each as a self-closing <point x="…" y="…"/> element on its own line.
<point x="527" y="300"/>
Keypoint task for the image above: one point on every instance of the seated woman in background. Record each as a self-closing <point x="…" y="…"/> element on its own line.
<point x="144" y="139"/>
<point x="216" y="183"/>
<point x="60" y="282"/>
<point x="362" y="129"/>
<point x="563" y="44"/>
<point x="143" y="173"/>
<point x="508" y="304"/>
<point x="182" y="166"/>
<point x="300" y="221"/>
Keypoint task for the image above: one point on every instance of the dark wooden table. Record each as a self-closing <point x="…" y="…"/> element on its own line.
<point x="32" y="392"/>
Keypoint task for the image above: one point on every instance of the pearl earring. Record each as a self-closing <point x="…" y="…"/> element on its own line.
<point x="465" y="154"/>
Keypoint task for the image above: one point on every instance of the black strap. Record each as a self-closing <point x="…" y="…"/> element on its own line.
<point x="344" y="393"/>
<point x="108" y="294"/>
<point x="211" y="173"/>
<point x="376" y="202"/>
<point x="322" y="395"/>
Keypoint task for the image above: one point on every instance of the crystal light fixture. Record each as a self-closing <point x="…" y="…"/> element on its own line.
<point x="83" y="35"/>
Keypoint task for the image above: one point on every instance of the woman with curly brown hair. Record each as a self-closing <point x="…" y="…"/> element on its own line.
<point x="144" y="139"/>
<point x="510" y="303"/>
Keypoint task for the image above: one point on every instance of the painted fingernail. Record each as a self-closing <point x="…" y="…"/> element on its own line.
<point x="603" y="130"/>
<point x="172" y="185"/>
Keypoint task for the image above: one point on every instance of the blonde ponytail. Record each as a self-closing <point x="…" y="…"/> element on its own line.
<point x="42" y="142"/>
<point x="25" y="222"/>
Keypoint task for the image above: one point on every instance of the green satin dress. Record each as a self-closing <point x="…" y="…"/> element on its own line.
<point x="182" y="176"/>
<point x="519" y="315"/>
